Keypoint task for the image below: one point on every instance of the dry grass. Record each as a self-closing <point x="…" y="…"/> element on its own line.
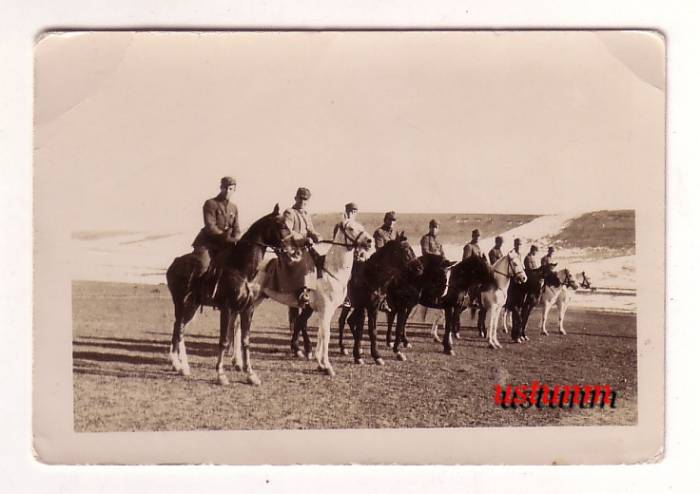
<point x="609" y="229"/>
<point x="123" y="382"/>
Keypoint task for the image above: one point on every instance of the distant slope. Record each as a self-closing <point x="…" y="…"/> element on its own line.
<point x="454" y="228"/>
<point x="609" y="229"/>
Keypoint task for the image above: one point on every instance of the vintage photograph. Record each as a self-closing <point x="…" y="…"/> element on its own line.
<point x="351" y="230"/>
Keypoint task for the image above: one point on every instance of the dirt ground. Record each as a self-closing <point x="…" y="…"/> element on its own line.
<point x="123" y="380"/>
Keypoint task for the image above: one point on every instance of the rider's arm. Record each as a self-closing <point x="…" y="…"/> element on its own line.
<point x="235" y="232"/>
<point x="210" y="226"/>
<point x="298" y="239"/>
<point x="425" y="245"/>
<point x="312" y="233"/>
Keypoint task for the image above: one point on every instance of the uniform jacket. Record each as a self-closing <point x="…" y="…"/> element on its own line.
<point x="383" y="235"/>
<point x="546" y="260"/>
<point x="220" y="223"/>
<point x="494" y="255"/>
<point x="471" y="250"/>
<point x="299" y="223"/>
<point x="429" y="244"/>
<point x="530" y="262"/>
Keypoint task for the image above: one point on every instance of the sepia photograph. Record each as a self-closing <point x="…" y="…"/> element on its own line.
<point x="452" y="234"/>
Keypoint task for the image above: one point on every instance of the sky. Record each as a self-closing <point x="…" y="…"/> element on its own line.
<point x="133" y="131"/>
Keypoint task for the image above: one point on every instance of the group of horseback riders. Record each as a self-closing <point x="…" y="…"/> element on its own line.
<point x="298" y="267"/>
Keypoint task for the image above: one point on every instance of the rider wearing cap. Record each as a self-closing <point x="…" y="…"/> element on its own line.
<point x="429" y="243"/>
<point x="516" y="248"/>
<point x="386" y="232"/>
<point x="472" y="249"/>
<point x="530" y="262"/>
<point x="495" y="253"/>
<point x="547" y="260"/>
<point x="221" y="228"/>
<point x="303" y="236"/>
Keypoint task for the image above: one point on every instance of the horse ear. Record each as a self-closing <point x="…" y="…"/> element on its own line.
<point x="276" y="210"/>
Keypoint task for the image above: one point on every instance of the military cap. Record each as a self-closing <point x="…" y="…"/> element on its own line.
<point x="390" y="216"/>
<point x="351" y="206"/>
<point x="433" y="223"/>
<point x="227" y="181"/>
<point x="550" y="249"/>
<point x="476" y="232"/>
<point x="303" y="193"/>
<point x="517" y="241"/>
<point x="534" y="247"/>
<point x="499" y="239"/>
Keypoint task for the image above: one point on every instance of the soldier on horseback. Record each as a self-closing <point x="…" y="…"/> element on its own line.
<point x="386" y="232"/>
<point x="221" y="231"/>
<point x="299" y="268"/>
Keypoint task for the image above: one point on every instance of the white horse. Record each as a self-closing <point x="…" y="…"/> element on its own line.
<point x="330" y="289"/>
<point x="559" y="295"/>
<point x="493" y="300"/>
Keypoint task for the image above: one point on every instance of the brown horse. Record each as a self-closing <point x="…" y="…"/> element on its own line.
<point x="234" y="295"/>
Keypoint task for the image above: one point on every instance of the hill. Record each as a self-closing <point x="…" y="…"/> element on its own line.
<point x="454" y="228"/>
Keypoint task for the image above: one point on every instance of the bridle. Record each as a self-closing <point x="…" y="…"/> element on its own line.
<point x="511" y="267"/>
<point x="350" y="242"/>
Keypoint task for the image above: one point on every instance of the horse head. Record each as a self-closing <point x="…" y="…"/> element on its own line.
<point x="352" y="235"/>
<point x="399" y="255"/>
<point x="567" y="279"/>
<point x="270" y="231"/>
<point x="515" y="268"/>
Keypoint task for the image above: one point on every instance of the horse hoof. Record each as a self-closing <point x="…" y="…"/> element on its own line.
<point x="253" y="380"/>
<point x="222" y="380"/>
<point x="379" y="361"/>
<point x="359" y="361"/>
<point x="544" y="333"/>
<point x="407" y="345"/>
<point x="492" y="346"/>
<point x="562" y="332"/>
<point x="436" y="338"/>
<point x="329" y="371"/>
<point x="388" y="344"/>
<point x="299" y="354"/>
<point x="309" y="356"/>
<point x="451" y="353"/>
<point x="526" y="338"/>
<point x="457" y="336"/>
<point x="401" y="357"/>
<point x="185" y="371"/>
<point x="344" y="351"/>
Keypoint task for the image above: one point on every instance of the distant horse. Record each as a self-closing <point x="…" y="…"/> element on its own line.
<point x="330" y="290"/>
<point x="368" y="287"/>
<point x="234" y="292"/>
<point x="522" y="298"/>
<point x="433" y="289"/>
<point x="558" y="290"/>
<point x="505" y="269"/>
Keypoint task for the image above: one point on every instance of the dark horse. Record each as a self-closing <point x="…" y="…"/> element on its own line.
<point x="523" y="297"/>
<point x="406" y="291"/>
<point x="367" y="289"/>
<point x="234" y="294"/>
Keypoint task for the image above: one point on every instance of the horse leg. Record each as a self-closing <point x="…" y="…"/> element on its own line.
<point x="224" y="343"/>
<point x="562" y="311"/>
<point x="390" y="316"/>
<point x="246" y="322"/>
<point x="372" y="329"/>
<point x="341" y="328"/>
<point x="545" y="313"/>
<point x="295" y="339"/>
<point x="402" y="317"/>
<point x="303" y="319"/>
<point x="187" y="315"/>
<point x="358" y="321"/>
<point x="177" y="334"/>
<point x="324" y="336"/>
<point x="481" y="322"/>
<point x="449" y="323"/>
<point x="292" y="314"/>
